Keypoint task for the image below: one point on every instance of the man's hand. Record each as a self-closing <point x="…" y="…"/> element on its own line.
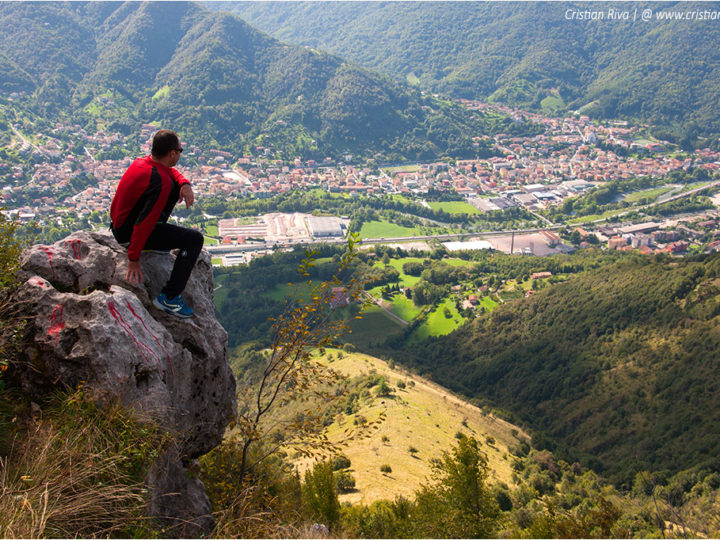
<point x="187" y="195"/>
<point x="134" y="272"/>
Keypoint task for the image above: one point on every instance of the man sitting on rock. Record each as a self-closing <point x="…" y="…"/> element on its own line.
<point x="145" y="197"/>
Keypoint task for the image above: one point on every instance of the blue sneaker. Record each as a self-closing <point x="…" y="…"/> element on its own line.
<point x="175" y="306"/>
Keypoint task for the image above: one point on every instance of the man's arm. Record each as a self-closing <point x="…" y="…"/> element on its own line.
<point x="186" y="192"/>
<point x="187" y="195"/>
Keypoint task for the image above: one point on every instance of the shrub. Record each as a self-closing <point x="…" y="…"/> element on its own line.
<point x="542" y="483"/>
<point x="261" y="504"/>
<point x="344" y="481"/>
<point x="383" y="388"/>
<point x="10" y="248"/>
<point x="340" y="462"/>
<point x="387" y="469"/>
<point x="382" y="519"/>
<point x="459" y="504"/>
<point x="502" y="498"/>
<point x="320" y="493"/>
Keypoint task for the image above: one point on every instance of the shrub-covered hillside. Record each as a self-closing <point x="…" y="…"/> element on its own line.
<point x="216" y="80"/>
<point x="617" y="366"/>
<point x="546" y="55"/>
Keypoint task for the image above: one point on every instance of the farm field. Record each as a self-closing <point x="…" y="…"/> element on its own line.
<point x="401" y="198"/>
<point x="454" y="207"/>
<point x="384" y="229"/>
<point x="688" y="187"/>
<point x="319" y="192"/>
<point x="401" y="168"/>
<point x="593" y="217"/>
<point x="649" y="194"/>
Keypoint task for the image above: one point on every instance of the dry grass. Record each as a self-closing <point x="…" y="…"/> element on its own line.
<point x="244" y="519"/>
<point x="423" y="415"/>
<point x="70" y="477"/>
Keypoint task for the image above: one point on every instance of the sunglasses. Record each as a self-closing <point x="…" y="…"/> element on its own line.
<point x="178" y="150"/>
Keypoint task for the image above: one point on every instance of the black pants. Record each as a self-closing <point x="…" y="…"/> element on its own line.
<point x="166" y="236"/>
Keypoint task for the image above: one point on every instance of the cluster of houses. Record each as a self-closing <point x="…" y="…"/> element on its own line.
<point x="651" y="238"/>
<point x="532" y="172"/>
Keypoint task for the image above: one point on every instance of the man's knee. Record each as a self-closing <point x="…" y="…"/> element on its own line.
<point x="196" y="240"/>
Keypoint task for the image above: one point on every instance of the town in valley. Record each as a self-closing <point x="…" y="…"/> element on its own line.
<point x="67" y="176"/>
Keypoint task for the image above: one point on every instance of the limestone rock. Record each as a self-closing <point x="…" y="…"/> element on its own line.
<point x="89" y="326"/>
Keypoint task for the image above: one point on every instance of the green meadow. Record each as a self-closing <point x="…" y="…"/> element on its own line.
<point x="300" y="289"/>
<point x="649" y="194"/>
<point x="385" y="229"/>
<point x="404" y="307"/>
<point x="437" y="323"/>
<point x="454" y="207"/>
<point x="373" y="328"/>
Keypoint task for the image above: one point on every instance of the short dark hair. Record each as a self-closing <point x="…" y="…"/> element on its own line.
<point x="164" y="142"/>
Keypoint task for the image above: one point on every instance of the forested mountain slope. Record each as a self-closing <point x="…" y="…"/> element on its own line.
<point x="617" y="366"/>
<point x="214" y="78"/>
<point x="539" y="54"/>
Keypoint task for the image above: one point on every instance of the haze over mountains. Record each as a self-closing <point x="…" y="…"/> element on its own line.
<point x="536" y="54"/>
<point x="215" y="78"/>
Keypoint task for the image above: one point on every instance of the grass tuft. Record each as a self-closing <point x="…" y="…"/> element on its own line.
<point x="77" y="471"/>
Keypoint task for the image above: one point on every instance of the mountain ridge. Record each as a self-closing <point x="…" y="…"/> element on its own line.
<point x="220" y="81"/>
<point x="539" y="56"/>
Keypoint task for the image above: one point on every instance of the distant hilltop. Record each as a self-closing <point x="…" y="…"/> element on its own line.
<point x="653" y="61"/>
<point x="216" y="80"/>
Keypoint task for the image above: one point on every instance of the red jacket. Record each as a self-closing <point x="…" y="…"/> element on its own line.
<point x="143" y="199"/>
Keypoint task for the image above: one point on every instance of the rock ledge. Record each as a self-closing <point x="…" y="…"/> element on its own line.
<point x="89" y="326"/>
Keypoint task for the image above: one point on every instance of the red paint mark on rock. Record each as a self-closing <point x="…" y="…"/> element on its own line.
<point x="50" y="253"/>
<point x="167" y="356"/>
<point x="39" y="282"/>
<point x="76" y="246"/>
<point x="57" y="324"/>
<point x="144" y="349"/>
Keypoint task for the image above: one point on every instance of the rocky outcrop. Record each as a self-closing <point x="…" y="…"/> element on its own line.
<point x="88" y="326"/>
